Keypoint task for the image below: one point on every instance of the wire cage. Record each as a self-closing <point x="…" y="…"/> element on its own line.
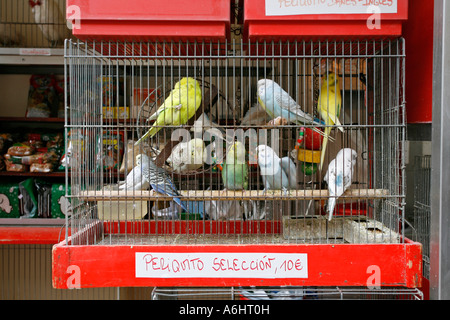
<point x="107" y="80"/>
<point x="422" y="207"/>
<point x="218" y="194"/>
<point x="33" y="24"/>
<point x="286" y="293"/>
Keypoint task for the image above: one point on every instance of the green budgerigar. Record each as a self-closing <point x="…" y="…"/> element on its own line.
<point x="181" y="105"/>
<point x="329" y="108"/>
<point x="235" y="168"/>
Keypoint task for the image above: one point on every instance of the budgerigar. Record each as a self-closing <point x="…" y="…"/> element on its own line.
<point x="161" y="182"/>
<point x="136" y="179"/>
<point x="339" y="176"/>
<point x="235" y="168"/>
<point x="290" y="169"/>
<point x="277" y="174"/>
<point x="329" y="108"/>
<point x="187" y="156"/>
<point x="181" y="105"/>
<point x="278" y="103"/>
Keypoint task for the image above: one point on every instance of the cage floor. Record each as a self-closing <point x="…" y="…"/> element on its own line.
<point x="206" y="239"/>
<point x="191" y="239"/>
<point x="310" y="230"/>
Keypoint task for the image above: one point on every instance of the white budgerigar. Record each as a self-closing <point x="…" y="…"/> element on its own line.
<point x="202" y="124"/>
<point x="187" y="156"/>
<point x="136" y="179"/>
<point x="339" y="176"/>
<point x="51" y="20"/>
<point x="277" y="173"/>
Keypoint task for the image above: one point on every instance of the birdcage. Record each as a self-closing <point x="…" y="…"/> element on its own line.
<point x="214" y="212"/>
<point x="33" y="24"/>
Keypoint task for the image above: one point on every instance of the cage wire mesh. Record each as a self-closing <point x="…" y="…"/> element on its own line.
<point x="286" y="293"/>
<point x="33" y="23"/>
<point x="422" y="208"/>
<point x="229" y="195"/>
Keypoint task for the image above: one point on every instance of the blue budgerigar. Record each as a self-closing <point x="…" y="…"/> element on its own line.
<point x="339" y="176"/>
<point x="161" y="182"/>
<point x="136" y="179"/>
<point x="277" y="173"/>
<point x="278" y="103"/>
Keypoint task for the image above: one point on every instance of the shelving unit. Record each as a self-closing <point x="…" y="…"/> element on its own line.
<point x="32" y="56"/>
<point x="27" y="61"/>
<point x="26" y="243"/>
<point x="31" y="230"/>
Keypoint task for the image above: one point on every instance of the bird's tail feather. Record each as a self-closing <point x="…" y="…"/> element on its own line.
<point x="181" y="204"/>
<point x="150" y="133"/>
<point x="331" y="205"/>
<point x="339" y="125"/>
<point x="324" y="146"/>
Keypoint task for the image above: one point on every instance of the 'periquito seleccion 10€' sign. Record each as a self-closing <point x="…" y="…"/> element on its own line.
<point x="221" y="265"/>
<point x="297" y="7"/>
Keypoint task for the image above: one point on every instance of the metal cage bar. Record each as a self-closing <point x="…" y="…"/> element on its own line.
<point x="115" y="87"/>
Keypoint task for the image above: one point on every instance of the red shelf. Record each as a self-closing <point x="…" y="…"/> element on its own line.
<point x="32" y="174"/>
<point x="31" y="231"/>
<point x="26" y="119"/>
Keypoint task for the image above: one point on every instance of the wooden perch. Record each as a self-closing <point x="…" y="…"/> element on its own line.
<point x="209" y="99"/>
<point x="198" y="195"/>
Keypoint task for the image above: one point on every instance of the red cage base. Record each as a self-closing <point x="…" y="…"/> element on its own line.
<point x="137" y="265"/>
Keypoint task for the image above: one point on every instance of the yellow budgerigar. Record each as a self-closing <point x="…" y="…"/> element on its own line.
<point x="329" y="107"/>
<point x="181" y="105"/>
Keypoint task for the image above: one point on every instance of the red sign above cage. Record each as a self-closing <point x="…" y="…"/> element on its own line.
<point x="323" y="19"/>
<point x="149" y="20"/>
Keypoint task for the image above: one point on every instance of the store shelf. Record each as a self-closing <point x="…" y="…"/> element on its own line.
<point x="31" y="231"/>
<point x="32" y="56"/>
<point x="59" y="174"/>
<point x="26" y="119"/>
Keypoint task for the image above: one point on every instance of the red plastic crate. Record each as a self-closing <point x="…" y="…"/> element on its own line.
<point x="292" y="19"/>
<point x="150" y="20"/>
